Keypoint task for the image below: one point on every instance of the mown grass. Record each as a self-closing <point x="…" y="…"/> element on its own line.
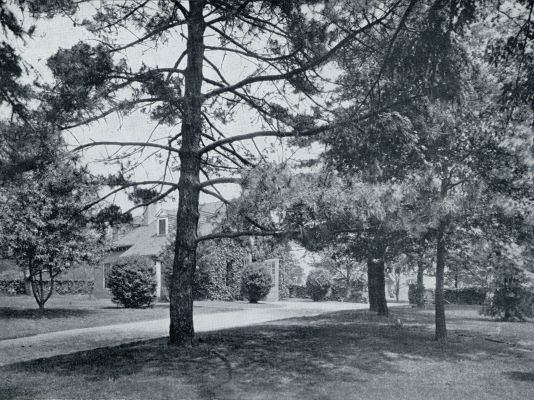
<point x="20" y="317"/>
<point x="345" y="355"/>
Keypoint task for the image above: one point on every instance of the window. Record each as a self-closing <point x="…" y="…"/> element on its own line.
<point x="162" y="226"/>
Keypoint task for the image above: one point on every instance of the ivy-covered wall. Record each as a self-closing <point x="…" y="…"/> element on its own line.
<point x="220" y="265"/>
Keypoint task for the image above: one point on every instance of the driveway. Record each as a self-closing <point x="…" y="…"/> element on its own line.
<point x="71" y="341"/>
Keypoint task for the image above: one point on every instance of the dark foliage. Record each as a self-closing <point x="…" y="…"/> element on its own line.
<point x="469" y="295"/>
<point x="318" y="284"/>
<point x="428" y="295"/>
<point x="256" y="283"/>
<point x="12" y="287"/>
<point x="132" y="282"/>
<point x="511" y="299"/>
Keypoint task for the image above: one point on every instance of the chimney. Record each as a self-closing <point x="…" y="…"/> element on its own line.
<point x="149" y="213"/>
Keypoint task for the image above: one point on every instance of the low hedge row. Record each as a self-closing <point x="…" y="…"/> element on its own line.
<point x="17" y="287"/>
<point x="468" y="295"/>
<point x="12" y="287"/>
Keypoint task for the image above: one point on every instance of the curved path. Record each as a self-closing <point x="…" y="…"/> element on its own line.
<point x="74" y="340"/>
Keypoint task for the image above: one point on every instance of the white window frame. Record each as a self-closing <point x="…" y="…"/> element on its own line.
<point x="166" y="226"/>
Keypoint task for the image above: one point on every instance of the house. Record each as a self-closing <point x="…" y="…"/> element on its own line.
<point x="148" y="236"/>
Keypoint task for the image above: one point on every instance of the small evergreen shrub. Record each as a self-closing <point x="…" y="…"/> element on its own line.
<point x="132" y="282"/>
<point x="256" y="283"/>
<point x="318" y="284"/>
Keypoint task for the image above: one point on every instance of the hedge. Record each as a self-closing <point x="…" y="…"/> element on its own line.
<point x="12" y="287"/>
<point x="64" y="287"/>
<point x="468" y="295"/>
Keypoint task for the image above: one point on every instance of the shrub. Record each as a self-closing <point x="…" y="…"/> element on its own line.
<point x="428" y="295"/>
<point x="12" y="287"/>
<point x="510" y="299"/>
<point x="298" y="292"/>
<point x="338" y="291"/>
<point x="468" y="295"/>
<point x="318" y="284"/>
<point x="132" y="281"/>
<point x="256" y="283"/>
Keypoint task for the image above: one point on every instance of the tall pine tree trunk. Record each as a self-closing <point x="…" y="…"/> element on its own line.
<point x="181" y="305"/>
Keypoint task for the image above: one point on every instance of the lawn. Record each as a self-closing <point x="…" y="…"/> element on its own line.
<point x="19" y="315"/>
<point x="345" y="355"/>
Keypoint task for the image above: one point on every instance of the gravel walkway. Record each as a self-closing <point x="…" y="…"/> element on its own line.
<point x="71" y="341"/>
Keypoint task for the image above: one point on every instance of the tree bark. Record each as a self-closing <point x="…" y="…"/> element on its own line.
<point x="371" y="285"/>
<point x="376" y="282"/>
<point x="38" y="290"/>
<point x="420" y="286"/>
<point x="181" y="330"/>
<point x="441" y="328"/>
<point x="382" y="305"/>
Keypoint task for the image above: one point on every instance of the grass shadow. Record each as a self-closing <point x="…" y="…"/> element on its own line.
<point x="347" y="347"/>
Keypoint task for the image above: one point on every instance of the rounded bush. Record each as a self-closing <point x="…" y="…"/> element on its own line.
<point x="132" y="281"/>
<point x="256" y="283"/>
<point x="318" y="284"/>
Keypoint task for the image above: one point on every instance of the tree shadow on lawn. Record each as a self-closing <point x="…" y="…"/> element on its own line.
<point x="33" y="313"/>
<point x="344" y="347"/>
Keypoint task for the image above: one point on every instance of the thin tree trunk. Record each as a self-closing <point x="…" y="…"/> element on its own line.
<point x="420" y="287"/>
<point x="441" y="328"/>
<point x="181" y="330"/>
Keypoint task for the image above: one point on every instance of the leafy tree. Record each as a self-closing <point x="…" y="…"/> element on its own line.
<point x="434" y="143"/>
<point x="42" y="226"/>
<point x="511" y="297"/>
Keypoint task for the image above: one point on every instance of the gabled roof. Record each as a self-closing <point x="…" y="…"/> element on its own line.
<point x="143" y="240"/>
